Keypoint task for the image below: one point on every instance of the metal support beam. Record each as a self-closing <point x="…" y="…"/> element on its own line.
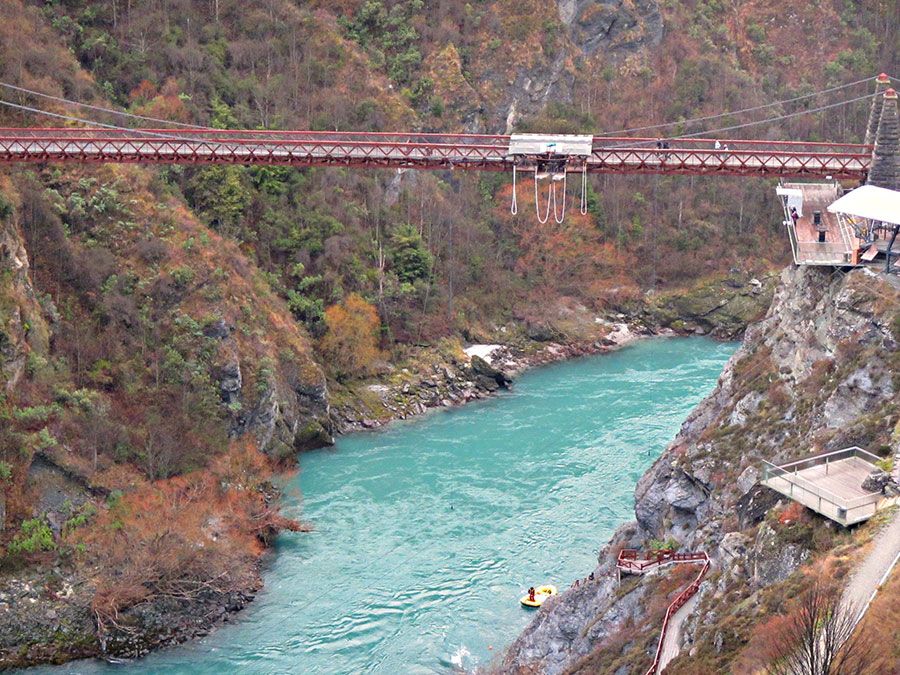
<point x="890" y="246"/>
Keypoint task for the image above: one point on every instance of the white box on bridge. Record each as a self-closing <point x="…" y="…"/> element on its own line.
<point x="558" y="144"/>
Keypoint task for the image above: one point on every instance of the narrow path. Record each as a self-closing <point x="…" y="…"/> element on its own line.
<point x="671" y="646"/>
<point x="867" y="577"/>
<point x="670" y="638"/>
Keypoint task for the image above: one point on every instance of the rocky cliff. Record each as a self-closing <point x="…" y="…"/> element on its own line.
<point x="819" y="372"/>
<point x="130" y="353"/>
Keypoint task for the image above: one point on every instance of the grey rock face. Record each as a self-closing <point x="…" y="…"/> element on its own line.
<point x="858" y="394"/>
<point x="734" y="545"/>
<point x="558" y="633"/>
<point x="22" y="323"/>
<point x="612" y="25"/>
<point x="773" y="561"/>
<point x="617" y="28"/>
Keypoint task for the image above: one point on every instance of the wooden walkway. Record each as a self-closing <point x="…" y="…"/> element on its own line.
<point x="670" y="636"/>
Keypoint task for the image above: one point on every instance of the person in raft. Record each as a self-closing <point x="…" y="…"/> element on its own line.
<point x="531" y="594"/>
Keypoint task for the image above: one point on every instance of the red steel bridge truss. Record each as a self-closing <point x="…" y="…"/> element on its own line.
<point x="691" y="156"/>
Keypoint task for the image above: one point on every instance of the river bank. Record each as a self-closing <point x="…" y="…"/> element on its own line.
<point x="454" y="372"/>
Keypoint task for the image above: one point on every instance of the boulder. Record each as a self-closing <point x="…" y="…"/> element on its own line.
<point x="218" y="329"/>
<point x="876" y="481"/>
<point x="485" y="373"/>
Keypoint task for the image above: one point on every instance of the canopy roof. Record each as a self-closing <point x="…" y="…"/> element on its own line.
<point x="869" y="201"/>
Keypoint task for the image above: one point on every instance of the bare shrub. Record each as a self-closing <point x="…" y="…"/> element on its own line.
<point x="817" y="637"/>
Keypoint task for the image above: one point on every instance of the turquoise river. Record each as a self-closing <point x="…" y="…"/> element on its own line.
<point x="428" y="531"/>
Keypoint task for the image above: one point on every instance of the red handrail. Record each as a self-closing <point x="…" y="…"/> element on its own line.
<point x="627" y="561"/>
<point x="679" y="602"/>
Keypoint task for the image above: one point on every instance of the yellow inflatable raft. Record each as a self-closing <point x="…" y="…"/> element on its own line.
<point x="541" y="593"/>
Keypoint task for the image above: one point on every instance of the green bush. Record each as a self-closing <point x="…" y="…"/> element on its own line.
<point x="34" y="536"/>
<point x="87" y="511"/>
<point x="38" y="414"/>
<point x="182" y="276"/>
<point x="670" y="544"/>
<point x="6" y="208"/>
<point x="410" y="259"/>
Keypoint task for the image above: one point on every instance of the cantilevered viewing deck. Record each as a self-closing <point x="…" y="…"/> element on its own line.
<point x="817" y="237"/>
<point x="830" y="484"/>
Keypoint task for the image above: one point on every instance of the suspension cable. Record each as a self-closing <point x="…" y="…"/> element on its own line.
<point x="692" y="120"/>
<point x="779" y="117"/>
<point x="734" y="112"/>
<point x="95" y="123"/>
<point x="799" y="113"/>
<point x="99" y="108"/>
<point x="104" y="125"/>
<point x="584" y="207"/>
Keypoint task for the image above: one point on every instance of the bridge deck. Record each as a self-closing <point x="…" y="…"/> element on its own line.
<point x="428" y="151"/>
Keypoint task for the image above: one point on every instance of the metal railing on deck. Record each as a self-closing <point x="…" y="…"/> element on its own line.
<point x="845" y="511"/>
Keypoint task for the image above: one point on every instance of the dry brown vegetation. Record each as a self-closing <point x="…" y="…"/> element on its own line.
<point x="183" y="537"/>
<point x="880" y="626"/>
<point x="131" y="265"/>
<point x="815" y="637"/>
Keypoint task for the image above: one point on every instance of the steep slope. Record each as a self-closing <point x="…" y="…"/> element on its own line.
<point x="818" y="373"/>
<point x="575" y="65"/>
<point x="150" y="384"/>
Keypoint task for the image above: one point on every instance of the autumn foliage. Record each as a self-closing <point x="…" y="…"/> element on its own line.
<point x="350" y="345"/>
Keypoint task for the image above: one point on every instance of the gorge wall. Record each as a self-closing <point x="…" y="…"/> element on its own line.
<point x="820" y="372"/>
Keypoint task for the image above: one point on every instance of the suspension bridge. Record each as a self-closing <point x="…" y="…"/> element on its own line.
<point x="877" y="160"/>
<point x="734" y="157"/>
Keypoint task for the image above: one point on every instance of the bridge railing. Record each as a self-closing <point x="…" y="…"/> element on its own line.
<point x="600" y="143"/>
<point x="628" y="561"/>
